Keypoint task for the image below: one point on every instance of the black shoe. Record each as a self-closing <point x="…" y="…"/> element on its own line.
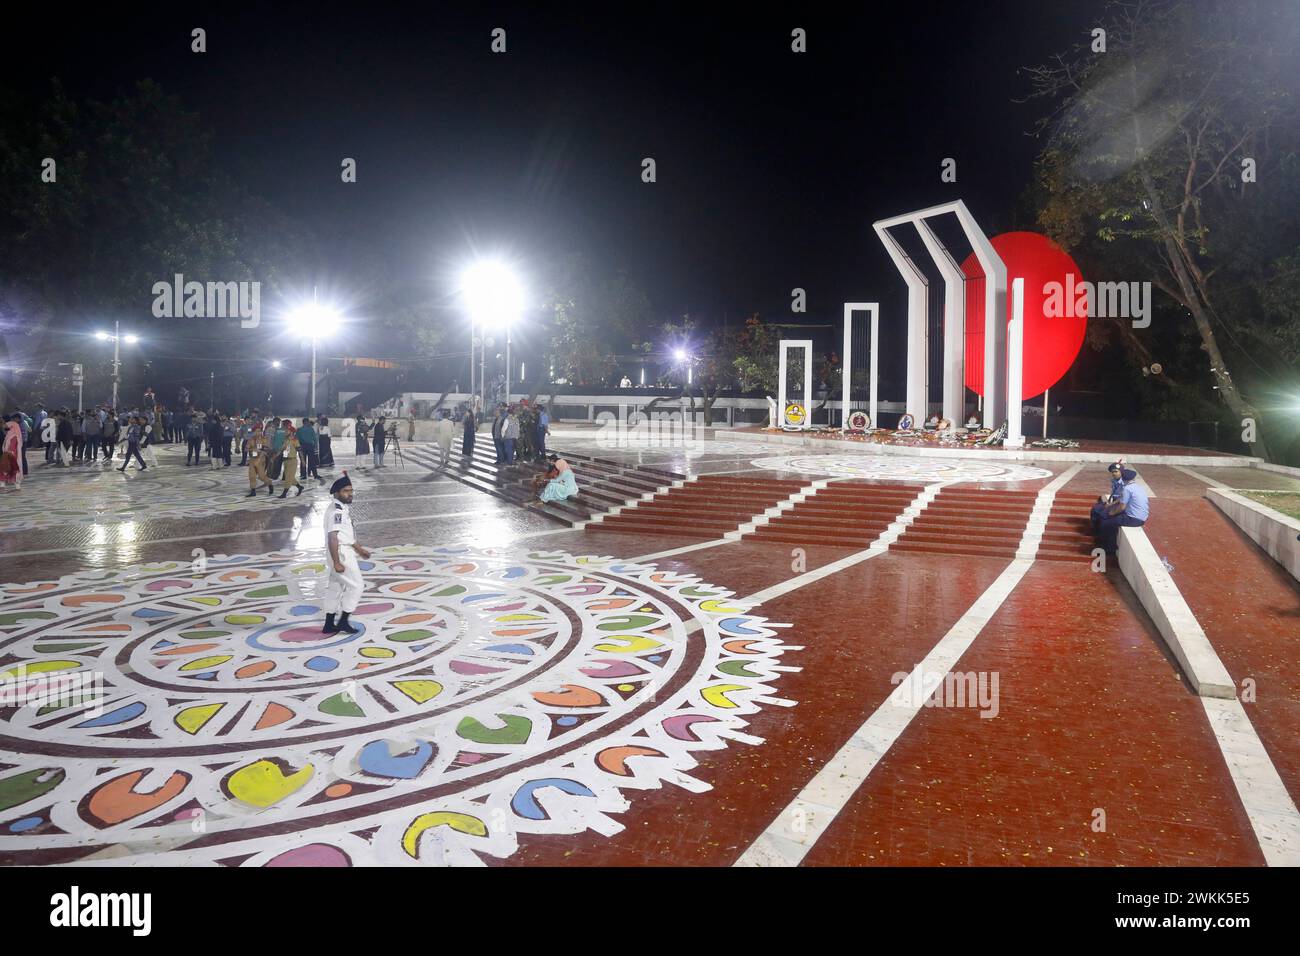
<point x="284" y="494"/>
<point x="297" y="490"/>
<point x="330" y="627"/>
<point x="270" y="490"/>
<point x="346" y="625"/>
<point x="123" y="468"/>
<point x="252" y="493"/>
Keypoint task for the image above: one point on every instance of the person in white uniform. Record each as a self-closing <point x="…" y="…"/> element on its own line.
<point x="444" y="432"/>
<point x="343" y="592"/>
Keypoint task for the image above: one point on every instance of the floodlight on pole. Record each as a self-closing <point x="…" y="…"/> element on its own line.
<point x="117" y="338"/>
<point x="494" y="298"/>
<point x="314" y="320"/>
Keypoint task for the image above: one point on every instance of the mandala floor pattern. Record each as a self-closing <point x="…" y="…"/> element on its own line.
<point x="204" y="718"/>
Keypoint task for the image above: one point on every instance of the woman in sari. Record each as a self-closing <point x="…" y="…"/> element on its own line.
<point x="558" y="483"/>
<point x="324" y="440"/>
<point x="11" y="456"/>
<point x="363" y="442"/>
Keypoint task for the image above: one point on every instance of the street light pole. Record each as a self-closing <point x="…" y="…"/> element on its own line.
<point x="508" y="369"/>
<point x="313" y="357"/>
<point x="117" y="364"/>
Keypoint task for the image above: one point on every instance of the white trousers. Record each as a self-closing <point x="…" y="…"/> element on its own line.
<point x="343" y="593"/>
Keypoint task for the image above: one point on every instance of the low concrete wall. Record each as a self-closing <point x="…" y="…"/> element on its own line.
<point x="1273" y="531"/>
<point x="1172" y="617"/>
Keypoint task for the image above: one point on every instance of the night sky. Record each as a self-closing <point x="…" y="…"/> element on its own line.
<point x="771" y="165"/>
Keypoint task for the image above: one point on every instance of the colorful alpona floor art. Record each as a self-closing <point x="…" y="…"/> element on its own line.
<point x="903" y="468"/>
<point x="487" y="696"/>
<point x="99" y="494"/>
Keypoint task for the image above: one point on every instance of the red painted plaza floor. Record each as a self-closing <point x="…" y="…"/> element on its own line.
<point x="665" y="686"/>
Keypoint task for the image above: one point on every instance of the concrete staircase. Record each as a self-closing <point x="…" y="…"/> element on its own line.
<point x="990" y="523"/>
<point x="1068" y="536"/>
<point x="602" y="484"/>
<point x="710" y="506"/>
<point x="839" y="515"/>
<point x="963" y="521"/>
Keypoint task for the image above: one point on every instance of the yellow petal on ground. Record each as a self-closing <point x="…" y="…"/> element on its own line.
<point x="632" y="644"/>
<point x="717" y="607"/>
<point x="37" y="667"/>
<point x="717" y="695"/>
<point x="262" y="783"/>
<point x="460" y="822"/>
<point x="191" y="719"/>
<point x="419" y="690"/>
<point x="204" y="663"/>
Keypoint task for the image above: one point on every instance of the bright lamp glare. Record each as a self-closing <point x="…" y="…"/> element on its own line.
<point x="102" y="336"/>
<point x="314" y="320"/>
<point x="130" y="339"/>
<point x="492" y="293"/>
<point x="275" y="364"/>
<point x="680" y="354"/>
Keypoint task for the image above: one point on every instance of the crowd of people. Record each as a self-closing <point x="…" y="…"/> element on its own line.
<point x="272" y="448"/>
<point x="519" y="432"/>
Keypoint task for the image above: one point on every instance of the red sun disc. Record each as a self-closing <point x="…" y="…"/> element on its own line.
<point x="1052" y="343"/>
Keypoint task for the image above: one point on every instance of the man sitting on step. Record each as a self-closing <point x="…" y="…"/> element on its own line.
<point x="1105" y="501"/>
<point x="1131" y="510"/>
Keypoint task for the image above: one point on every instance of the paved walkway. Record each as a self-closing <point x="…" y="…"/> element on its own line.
<point x="527" y="693"/>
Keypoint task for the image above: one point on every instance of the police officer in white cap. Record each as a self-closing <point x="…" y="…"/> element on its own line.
<point x="345" y="582"/>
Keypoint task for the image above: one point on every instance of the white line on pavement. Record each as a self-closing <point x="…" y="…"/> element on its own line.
<point x="787" y="840"/>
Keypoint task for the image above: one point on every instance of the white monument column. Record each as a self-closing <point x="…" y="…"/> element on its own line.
<point x="1015" y="364"/>
<point x="995" y="318"/>
<point x="846" y="362"/>
<point x="954" y="325"/>
<point x="806" y="401"/>
<point x="995" y="313"/>
<point x="918" y="333"/>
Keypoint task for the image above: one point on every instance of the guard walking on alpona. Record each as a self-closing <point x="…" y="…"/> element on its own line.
<point x="343" y="592"/>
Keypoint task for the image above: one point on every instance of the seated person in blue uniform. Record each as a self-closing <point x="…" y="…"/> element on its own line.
<point x="1130" y="511"/>
<point x="1105" y="501"/>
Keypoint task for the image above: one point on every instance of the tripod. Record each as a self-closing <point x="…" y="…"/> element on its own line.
<point x="394" y="444"/>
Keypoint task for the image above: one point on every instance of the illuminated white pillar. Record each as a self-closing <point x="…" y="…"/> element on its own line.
<point x="846" y="363"/>
<point x="954" y="325"/>
<point x="995" y="318"/>
<point x="918" y="333"/>
<point x="807" y="346"/>
<point x="1015" y="364"/>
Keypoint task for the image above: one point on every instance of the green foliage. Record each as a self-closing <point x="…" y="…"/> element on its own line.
<point x="1141" y="179"/>
<point x="138" y="198"/>
<point x="592" y="320"/>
